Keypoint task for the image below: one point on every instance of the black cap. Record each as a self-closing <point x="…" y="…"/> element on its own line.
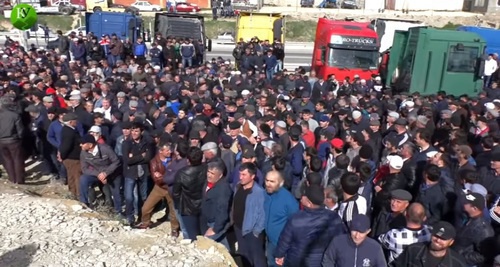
<point x="476" y="200"/>
<point x="444" y="230"/>
<point x="401" y="121"/>
<point x="315" y="194"/>
<point x="194" y="135"/>
<point x="248" y="152"/>
<point x="401" y="194"/>
<point x="88" y="139"/>
<point x="226" y="141"/>
<point x="234" y="125"/>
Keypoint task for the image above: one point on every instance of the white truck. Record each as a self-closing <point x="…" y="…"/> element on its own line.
<point x="386" y="28"/>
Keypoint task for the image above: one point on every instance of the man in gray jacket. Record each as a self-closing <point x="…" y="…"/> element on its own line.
<point x="100" y="166"/>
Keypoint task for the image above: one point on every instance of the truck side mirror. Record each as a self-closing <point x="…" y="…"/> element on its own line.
<point x="209" y="45"/>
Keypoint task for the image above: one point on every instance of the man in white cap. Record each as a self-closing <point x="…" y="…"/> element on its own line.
<point x="392" y="181"/>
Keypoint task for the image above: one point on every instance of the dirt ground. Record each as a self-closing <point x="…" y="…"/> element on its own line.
<point x="38" y="185"/>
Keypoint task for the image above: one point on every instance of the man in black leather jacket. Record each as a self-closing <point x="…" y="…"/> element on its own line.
<point x="188" y="192"/>
<point x="473" y="239"/>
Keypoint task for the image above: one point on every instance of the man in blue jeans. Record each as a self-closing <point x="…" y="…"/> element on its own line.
<point x="137" y="152"/>
<point x="100" y="165"/>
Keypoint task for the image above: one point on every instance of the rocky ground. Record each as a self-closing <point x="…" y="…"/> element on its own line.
<point x="53" y="231"/>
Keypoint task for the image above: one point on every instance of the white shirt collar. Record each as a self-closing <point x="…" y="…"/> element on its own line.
<point x="95" y="151"/>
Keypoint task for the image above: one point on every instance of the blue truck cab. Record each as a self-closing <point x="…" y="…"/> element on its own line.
<point x="491" y="36"/>
<point x="124" y="25"/>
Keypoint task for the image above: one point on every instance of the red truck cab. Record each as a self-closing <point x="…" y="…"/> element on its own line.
<point x="345" y="49"/>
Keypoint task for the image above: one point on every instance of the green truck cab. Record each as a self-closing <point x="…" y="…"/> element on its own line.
<point x="428" y="60"/>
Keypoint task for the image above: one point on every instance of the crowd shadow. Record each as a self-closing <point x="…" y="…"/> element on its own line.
<point x="19" y="257"/>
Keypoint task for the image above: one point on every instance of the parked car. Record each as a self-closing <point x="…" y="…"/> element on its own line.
<point x="81" y="29"/>
<point x="225" y="37"/>
<point x="306" y="3"/>
<point x="349" y="4"/>
<point x="146" y="6"/>
<point x="183" y="7"/>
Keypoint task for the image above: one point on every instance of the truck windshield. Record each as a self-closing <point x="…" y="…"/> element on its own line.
<point x="353" y="59"/>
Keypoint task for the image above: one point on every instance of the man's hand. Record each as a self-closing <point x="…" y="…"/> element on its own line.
<point x="143" y="154"/>
<point x="378" y="188"/>
<point x="130" y="155"/>
<point x="157" y="175"/>
<point x="209" y="232"/>
<point x="496" y="209"/>
<point x="59" y="157"/>
<point x="102" y="177"/>
<point x="279" y="261"/>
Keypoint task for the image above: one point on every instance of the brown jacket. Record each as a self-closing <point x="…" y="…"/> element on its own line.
<point x="155" y="165"/>
<point x="116" y="48"/>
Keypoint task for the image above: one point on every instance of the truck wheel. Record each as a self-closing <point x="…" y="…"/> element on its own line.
<point x="66" y="11"/>
<point x="97" y="9"/>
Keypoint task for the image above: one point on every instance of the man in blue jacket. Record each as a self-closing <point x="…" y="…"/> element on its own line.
<point x="270" y="61"/>
<point x="308" y="232"/>
<point x="140" y="51"/>
<point x="279" y="206"/>
<point x="356" y="248"/>
<point x="248" y="216"/>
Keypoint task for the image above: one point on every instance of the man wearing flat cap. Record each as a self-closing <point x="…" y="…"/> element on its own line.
<point x="308" y="232"/>
<point x="69" y="152"/>
<point x="393" y="218"/>
<point x="100" y="166"/>
<point x="438" y="252"/>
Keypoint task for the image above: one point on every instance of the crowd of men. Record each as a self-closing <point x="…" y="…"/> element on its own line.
<point x="303" y="171"/>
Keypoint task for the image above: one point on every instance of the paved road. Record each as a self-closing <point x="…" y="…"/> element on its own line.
<point x="296" y="54"/>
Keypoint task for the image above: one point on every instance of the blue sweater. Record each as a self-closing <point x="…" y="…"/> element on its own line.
<point x="278" y="206"/>
<point x="140" y="49"/>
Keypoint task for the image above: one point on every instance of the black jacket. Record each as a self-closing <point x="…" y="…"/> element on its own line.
<point x="188" y="189"/>
<point x="131" y="164"/>
<point x="12" y="127"/>
<point x="434" y="201"/>
<point x="385" y="222"/>
<point x="475" y="242"/>
<point x="390" y="183"/>
<point x="216" y="206"/>
<point x="416" y="256"/>
<point x="70" y="143"/>
<point x="408" y="171"/>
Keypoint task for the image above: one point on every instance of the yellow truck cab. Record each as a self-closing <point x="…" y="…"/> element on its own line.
<point x="265" y="26"/>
